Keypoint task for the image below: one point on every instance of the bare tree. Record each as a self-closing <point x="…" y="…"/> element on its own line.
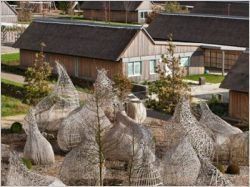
<point x="105" y="8"/>
<point x="127" y="6"/>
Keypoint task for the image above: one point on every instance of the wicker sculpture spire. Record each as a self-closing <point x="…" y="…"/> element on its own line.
<point x="37" y="148"/>
<point x="19" y="175"/>
<point x="64" y="98"/>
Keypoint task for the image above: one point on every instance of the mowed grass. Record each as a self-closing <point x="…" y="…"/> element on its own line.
<point x="12" y="58"/>
<point x="11" y="106"/>
<point x="6" y="81"/>
<point x="210" y="78"/>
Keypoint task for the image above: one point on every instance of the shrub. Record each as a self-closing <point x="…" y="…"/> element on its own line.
<point x="37" y="79"/>
<point x="233" y="169"/>
<point x="169" y="88"/>
<point x="122" y="85"/>
<point x="27" y="163"/>
<point x="220" y="167"/>
<point x="16" y="127"/>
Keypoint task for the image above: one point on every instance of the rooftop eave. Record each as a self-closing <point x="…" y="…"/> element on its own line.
<point x="204" y="45"/>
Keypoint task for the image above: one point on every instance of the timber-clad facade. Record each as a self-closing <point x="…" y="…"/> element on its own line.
<point x="117" y="11"/>
<point x="237" y="81"/>
<point x="135" y="51"/>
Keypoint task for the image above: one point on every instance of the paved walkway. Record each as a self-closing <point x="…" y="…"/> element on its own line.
<point x="12" y="77"/>
<point x="7" y="49"/>
<point x="206" y="91"/>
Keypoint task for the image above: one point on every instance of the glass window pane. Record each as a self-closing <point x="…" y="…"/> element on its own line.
<point x="152" y="66"/>
<point x="137" y="68"/>
<point x="184" y="61"/>
<point x="130" y="68"/>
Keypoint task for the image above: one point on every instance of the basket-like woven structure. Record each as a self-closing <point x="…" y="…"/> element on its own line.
<point x="146" y="175"/>
<point x="19" y="175"/>
<point x="80" y="166"/>
<point x="218" y="129"/>
<point x="81" y="124"/>
<point x="37" y="148"/>
<point x="197" y="136"/>
<point x="127" y="136"/>
<point x="136" y="109"/>
<point x="181" y="165"/>
<point x="51" y="110"/>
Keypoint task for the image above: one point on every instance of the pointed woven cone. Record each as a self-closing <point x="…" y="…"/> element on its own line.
<point x="197" y="136"/>
<point x="181" y="165"/>
<point x="219" y="129"/>
<point x="80" y="166"/>
<point x="19" y="175"/>
<point x="37" y="148"/>
<point x="64" y="98"/>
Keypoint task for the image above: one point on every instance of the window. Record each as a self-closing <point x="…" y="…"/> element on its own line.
<point x="185" y="61"/>
<point x="134" y="68"/>
<point x="143" y="15"/>
<point x="152" y="66"/>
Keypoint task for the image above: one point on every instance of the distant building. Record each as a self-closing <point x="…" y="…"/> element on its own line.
<point x="8" y="14"/>
<point x="117" y="11"/>
<point x="83" y="47"/>
<point x="237" y="81"/>
<point x="226" y="8"/>
<point x="219" y="39"/>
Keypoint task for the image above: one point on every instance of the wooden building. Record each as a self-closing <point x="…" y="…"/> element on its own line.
<point x="83" y="47"/>
<point x="117" y="11"/>
<point x="8" y="14"/>
<point x="226" y="8"/>
<point x="237" y="81"/>
<point x="221" y="39"/>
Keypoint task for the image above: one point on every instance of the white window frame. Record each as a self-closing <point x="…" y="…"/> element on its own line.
<point x="189" y="58"/>
<point x="133" y="75"/>
<point x="155" y="61"/>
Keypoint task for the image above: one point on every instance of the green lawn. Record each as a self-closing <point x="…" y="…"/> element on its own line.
<point x="210" y="78"/>
<point x="11" y="106"/>
<point x="10" y="58"/>
<point x="11" y="82"/>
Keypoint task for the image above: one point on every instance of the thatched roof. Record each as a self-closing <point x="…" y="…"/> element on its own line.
<point x="114" y="5"/>
<point x="237" y="78"/>
<point x="222" y="8"/>
<point x="78" y="38"/>
<point x="230" y="31"/>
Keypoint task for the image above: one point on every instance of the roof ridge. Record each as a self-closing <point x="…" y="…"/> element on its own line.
<point x="83" y="23"/>
<point x="206" y="16"/>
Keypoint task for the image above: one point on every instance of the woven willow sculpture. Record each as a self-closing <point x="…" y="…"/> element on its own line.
<point x="80" y="166"/>
<point x="19" y="175"/>
<point x="81" y="124"/>
<point x="146" y="175"/>
<point x="37" y="148"/>
<point x="51" y="110"/>
<point x="132" y="142"/>
<point x="210" y="175"/>
<point x="200" y="141"/>
<point x="136" y="109"/>
<point x="197" y="136"/>
<point x="218" y="129"/>
<point x="181" y="165"/>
